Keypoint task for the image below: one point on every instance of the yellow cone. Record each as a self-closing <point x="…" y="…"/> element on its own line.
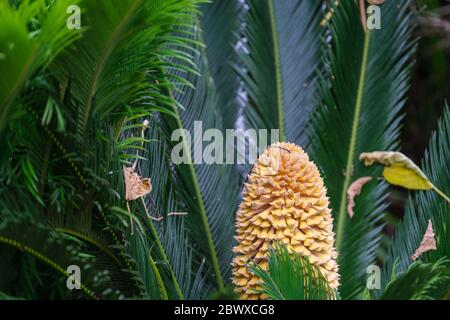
<point x="284" y="200"/>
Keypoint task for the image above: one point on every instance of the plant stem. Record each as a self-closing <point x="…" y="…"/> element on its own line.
<point x="441" y="193"/>
<point x="159" y="281"/>
<point x="196" y="185"/>
<point x="201" y="206"/>
<point x="163" y="253"/>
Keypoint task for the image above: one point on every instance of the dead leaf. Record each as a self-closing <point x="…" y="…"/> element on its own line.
<point x="428" y="243"/>
<point x="353" y="191"/>
<point x="399" y="170"/>
<point x="362" y="12"/>
<point x="135" y="186"/>
<point x="376" y="2"/>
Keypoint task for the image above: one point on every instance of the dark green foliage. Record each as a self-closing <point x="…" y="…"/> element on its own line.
<point x="221" y="21"/>
<point x="361" y="97"/>
<point x="69" y="134"/>
<point x="422" y="281"/>
<point x="281" y="61"/>
<point x="72" y="108"/>
<point x="424" y="206"/>
<point x="292" y="277"/>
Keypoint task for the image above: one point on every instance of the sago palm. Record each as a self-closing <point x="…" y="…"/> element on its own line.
<point x="84" y="109"/>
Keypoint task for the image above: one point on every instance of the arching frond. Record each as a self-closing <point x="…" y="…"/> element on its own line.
<point x="207" y="192"/>
<point x="422" y="281"/>
<point x="282" y="40"/>
<point x="30" y="38"/>
<point x="292" y="277"/>
<point x="361" y="105"/>
<point x="425" y="205"/>
<point x="112" y="68"/>
<point x="221" y="24"/>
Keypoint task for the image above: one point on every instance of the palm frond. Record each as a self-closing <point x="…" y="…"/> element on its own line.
<point x="139" y="249"/>
<point x="422" y="281"/>
<point x="111" y="69"/>
<point x="361" y="105"/>
<point x="181" y="255"/>
<point x="282" y="40"/>
<point x="171" y="230"/>
<point x="221" y="22"/>
<point x="425" y="205"/>
<point x="4" y="296"/>
<point x="207" y="192"/>
<point x="30" y="38"/>
<point x="47" y="247"/>
<point x="291" y="277"/>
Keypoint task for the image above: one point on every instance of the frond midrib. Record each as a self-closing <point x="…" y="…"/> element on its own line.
<point x="163" y="253"/>
<point x="201" y="205"/>
<point x="17" y="85"/>
<point x="115" y="35"/>
<point x="278" y="80"/>
<point x="91" y="240"/>
<point x="352" y="146"/>
<point x="46" y="260"/>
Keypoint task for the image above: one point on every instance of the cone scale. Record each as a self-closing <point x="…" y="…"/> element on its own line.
<point x="284" y="200"/>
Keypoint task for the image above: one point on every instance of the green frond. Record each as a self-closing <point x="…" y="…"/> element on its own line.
<point x="146" y="269"/>
<point x="4" y="296"/>
<point x="425" y="205"/>
<point x="112" y="68"/>
<point x="140" y="83"/>
<point x="281" y="60"/>
<point x="292" y="277"/>
<point x="181" y="256"/>
<point x="180" y="249"/>
<point x="31" y="36"/>
<point x="45" y="246"/>
<point x="360" y="112"/>
<point x="207" y="192"/>
<point x="421" y="281"/>
<point x="221" y="25"/>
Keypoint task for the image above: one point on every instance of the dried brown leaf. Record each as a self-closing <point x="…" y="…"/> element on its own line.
<point x="398" y="170"/>
<point x="428" y="243"/>
<point x="353" y="191"/>
<point x="135" y="186"/>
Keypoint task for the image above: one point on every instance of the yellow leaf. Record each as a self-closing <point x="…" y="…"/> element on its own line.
<point x="398" y="170"/>
<point x="401" y="176"/>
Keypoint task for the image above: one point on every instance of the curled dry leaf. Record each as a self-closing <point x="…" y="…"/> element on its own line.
<point x="376" y="2"/>
<point x="353" y="191"/>
<point x="428" y="243"/>
<point x="362" y="12"/>
<point x="135" y="186"/>
<point x="398" y="170"/>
